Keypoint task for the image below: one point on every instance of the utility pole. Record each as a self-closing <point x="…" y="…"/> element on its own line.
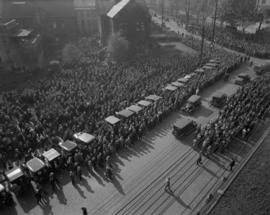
<point x="214" y="24"/>
<point x="162" y="12"/>
<point x="202" y="41"/>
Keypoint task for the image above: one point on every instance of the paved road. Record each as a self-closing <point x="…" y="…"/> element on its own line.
<point x="140" y="174"/>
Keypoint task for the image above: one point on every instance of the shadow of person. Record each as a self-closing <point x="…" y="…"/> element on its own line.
<point x="61" y="196"/>
<point x="209" y="171"/>
<point x="179" y="200"/>
<point x="99" y="180"/>
<point x="117" y="185"/>
<point x="47" y="209"/>
<point x="79" y="190"/>
<point x="85" y="183"/>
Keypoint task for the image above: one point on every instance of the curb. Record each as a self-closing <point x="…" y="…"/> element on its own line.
<point x="260" y="141"/>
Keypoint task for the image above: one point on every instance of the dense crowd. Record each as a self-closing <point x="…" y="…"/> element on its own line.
<point x="241" y="112"/>
<point x="79" y="98"/>
<point x="235" y="41"/>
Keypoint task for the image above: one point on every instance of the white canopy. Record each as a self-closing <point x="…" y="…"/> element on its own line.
<point x="68" y="145"/>
<point x="14" y="173"/>
<point x="35" y="164"/>
<point x="153" y="97"/>
<point x="183" y="80"/>
<point x="135" y="108"/>
<point x="177" y="84"/>
<point x="170" y="88"/>
<point x="84" y="137"/>
<point x="112" y="120"/>
<point x="144" y="103"/>
<point x="125" y="113"/>
<point x="51" y="154"/>
<point x="199" y="70"/>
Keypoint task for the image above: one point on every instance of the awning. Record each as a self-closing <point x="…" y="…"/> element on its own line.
<point x="199" y="70"/>
<point x="14" y="174"/>
<point x="153" y="97"/>
<point x="183" y="80"/>
<point x="112" y="120"/>
<point x="182" y="123"/>
<point x="207" y="67"/>
<point x="68" y="145"/>
<point x="84" y="137"/>
<point x="135" y="108"/>
<point x="177" y="84"/>
<point x="211" y="64"/>
<point x="51" y="154"/>
<point x="35" y="164"/>
<point x="144" y="103"/>
<point x="170" y="88"/>
<point x="125" y="113"/>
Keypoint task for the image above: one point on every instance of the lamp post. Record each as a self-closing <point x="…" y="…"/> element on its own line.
<point x="214" y="24"/>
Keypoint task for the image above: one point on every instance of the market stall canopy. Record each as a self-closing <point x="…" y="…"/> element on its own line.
<point x="170" y="88"/>
<point x="135" y="108"/>
<point x="2" y="188"/>
<point x="194" y="99"/>
<point x="51" y="154"/>
<point x="125" y="113"/>
<point x="177" y="84"/>
<point x="35" y="165"/>
<point x="112" y="120"/>
<point x="214" y="61"/>
<point x="183" y="80"/>
<point x="211" y="64"/>
<point x="199" y="70"/>
<point x="153" y="97"/>
<point x="207" y="67"/>
<point x="14" y="174"/>
<point x="144" y="103"/>
<point x="84" y="137"/>
<point x="68" y="145"/>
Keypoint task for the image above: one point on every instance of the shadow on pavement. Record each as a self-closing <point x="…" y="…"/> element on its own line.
<point x="209" y="171"/>
<point x="79" y="190"/>
<point x="179" y="200"/>
<point x="27" y="200"/>
<point x="117" y="185"/>
<point x="10" y="210"/>
<point x="85" y="183"/>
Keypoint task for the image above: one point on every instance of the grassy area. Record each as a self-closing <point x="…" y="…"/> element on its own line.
<point x="249" y="194"/>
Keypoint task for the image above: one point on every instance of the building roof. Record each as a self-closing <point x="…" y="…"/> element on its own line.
<point x="103" y="6"/>
<point x="117" y="8"/>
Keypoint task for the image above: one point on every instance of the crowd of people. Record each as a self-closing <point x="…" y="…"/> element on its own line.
<point x="241" y="112"/>
<point x="235" y="41"/>
<point x="79" y="98"/>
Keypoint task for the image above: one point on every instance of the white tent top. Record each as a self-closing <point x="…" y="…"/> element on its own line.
<point x="14" y="173"/>
<point x="35" y="164"/>
<point x="135" y="108"/>
<point x="214" y="61"/>
<point x="68" y="145"/>
<point x="207" y="67"/>
<point x="183" y="80"/>
<point x="153" y="97"/>
<point x="170" y="88"/>
<point x="112" y="120"/>
<point x="1" y="187"/>
<point x="51" y="154"/>
<point x="125" y="113"/>
<point x="211" y="64"/>
<point x="144" y="103"/>
<point x="84" y="137"/>
<point x="199" y="70"/>
<point x="177" y="84"/>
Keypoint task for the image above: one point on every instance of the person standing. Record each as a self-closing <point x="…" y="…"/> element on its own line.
<point x="199" y="160"/>
<point x="84" y="211"/>
<point x="79" y="172"/>
<point x="168" y="185"/>
<point x="72" y="177"/>
<point x="232" y="164"/>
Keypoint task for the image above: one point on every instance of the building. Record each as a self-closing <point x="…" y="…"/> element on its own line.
<point x="129" y="17"/>
<point x="264" y="6"/>
<point x="20" y="47"/>
<point x="55" y="19"/>
<point x="87" y="18"/>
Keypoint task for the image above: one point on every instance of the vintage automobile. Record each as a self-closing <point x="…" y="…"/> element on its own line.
<point x="183" y="128"/>
<point x="242" y="79"/>
<point x="219" y="100"/>
<point x="193" y="104"/>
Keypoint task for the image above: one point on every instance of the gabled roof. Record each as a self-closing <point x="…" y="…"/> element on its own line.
<point x="117" y="8"/>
